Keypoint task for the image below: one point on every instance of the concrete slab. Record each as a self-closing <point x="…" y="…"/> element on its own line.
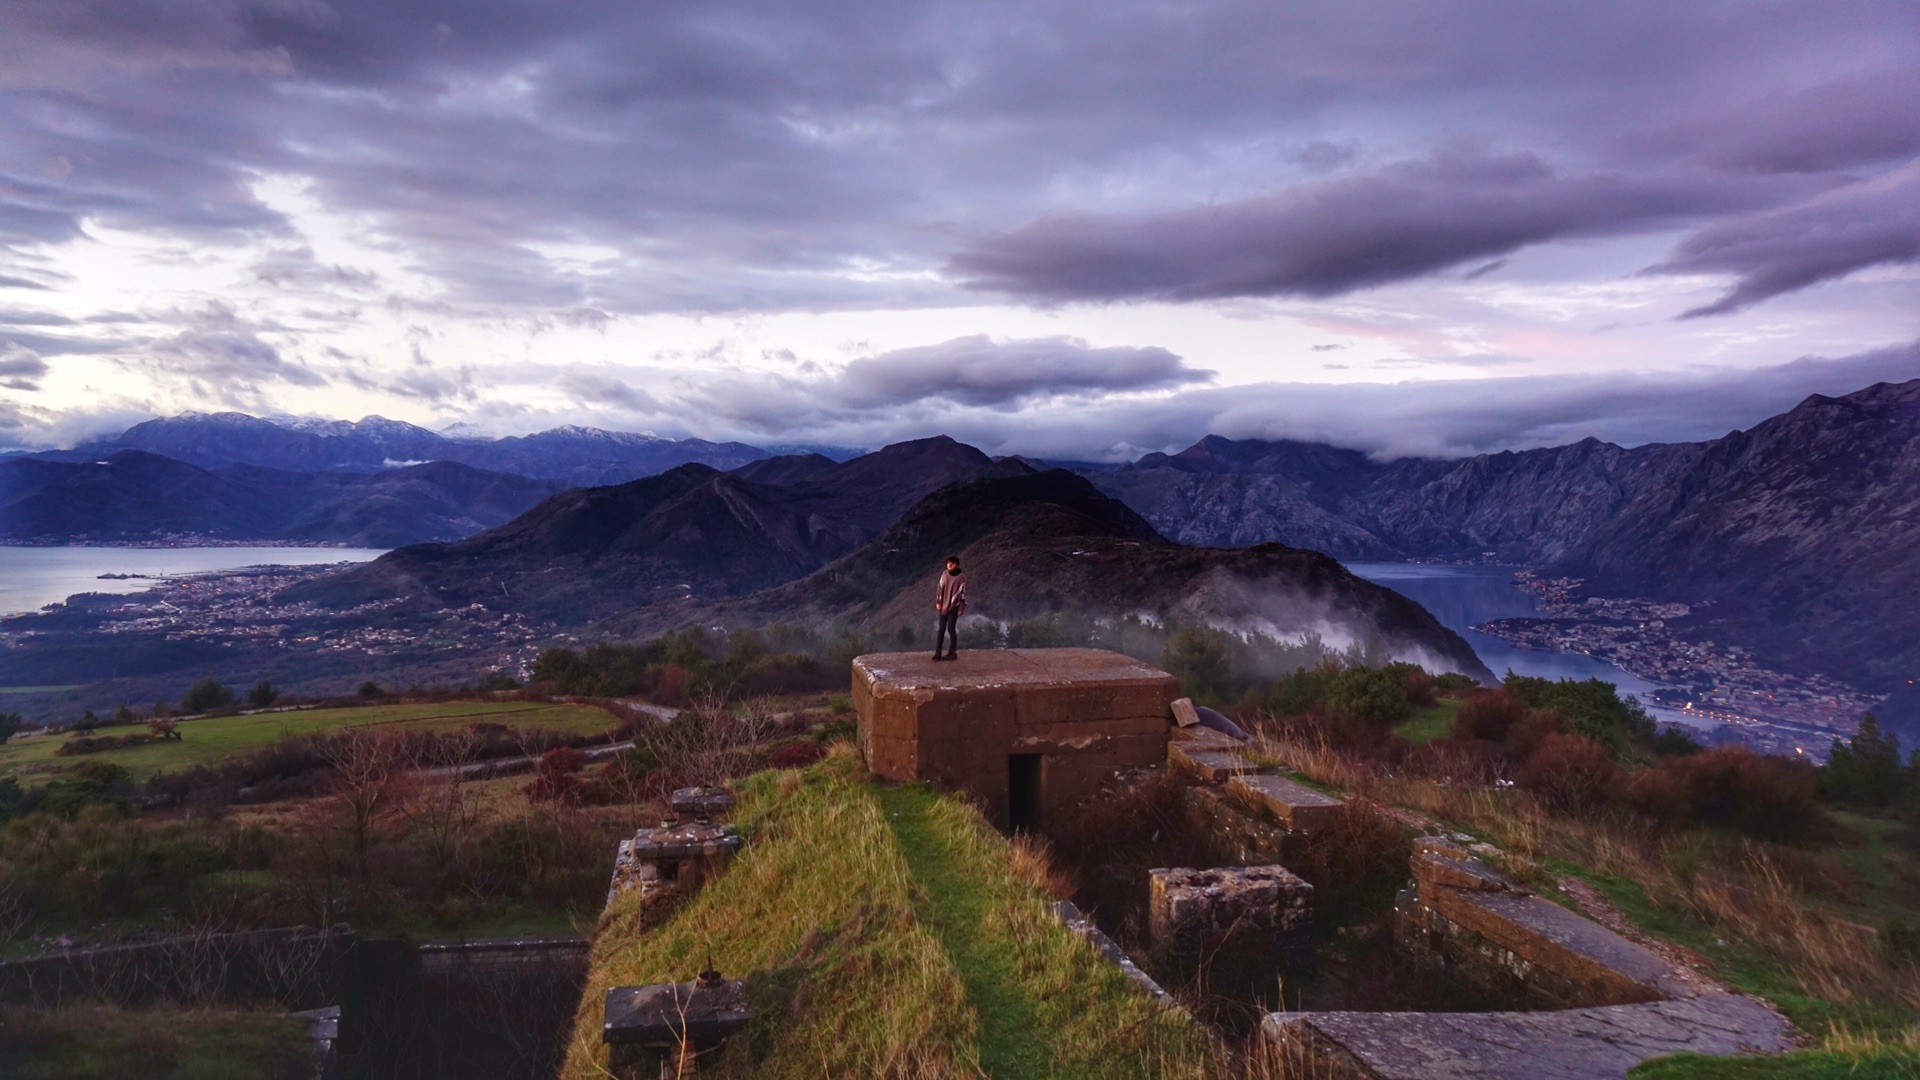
<point x="1299" y="807"/>
<point x="1574" y="1044"/>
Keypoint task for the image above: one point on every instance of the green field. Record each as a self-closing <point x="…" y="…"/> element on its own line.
<point x="206" y="741"/>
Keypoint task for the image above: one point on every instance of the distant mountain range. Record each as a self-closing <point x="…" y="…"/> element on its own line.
<point x="1805" y="528"/>
<point x="580" y="457"/>
<point x="132" y="495"/>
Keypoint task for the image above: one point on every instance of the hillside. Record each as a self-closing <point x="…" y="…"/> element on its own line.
<point x="1804" y="526"/>
<point x="1052" y="542"/>
<point x="134" y="495"/>
<point x="688" y="533"/>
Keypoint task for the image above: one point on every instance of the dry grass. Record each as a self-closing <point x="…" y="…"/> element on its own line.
<point x="1736" y="888"/>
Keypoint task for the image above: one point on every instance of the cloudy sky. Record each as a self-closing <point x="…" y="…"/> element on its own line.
<point x="1069" y="228"/>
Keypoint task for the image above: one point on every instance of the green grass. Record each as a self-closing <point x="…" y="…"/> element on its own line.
<point x="880" y="945"/>
<point x="1429" y="723"/>
<point x="37" y="689"/>
<point x="1890" y="1063"/>
<point x="104" y="1043"/>
<point x="208" y="741"/>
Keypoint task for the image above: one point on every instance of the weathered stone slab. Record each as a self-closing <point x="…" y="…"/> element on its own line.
<point x="1606" y="966"/>
<point x="1211" y="766"/>
<point x="1235" y="835"/>
<point x="1184" y="714"/>
<point x="1299" y="807"/>
<point x="1471" y="917"/>
<point x="701" y="802"/>
<point x="1574" y="1044"/>
<point x="1206" y="738"/>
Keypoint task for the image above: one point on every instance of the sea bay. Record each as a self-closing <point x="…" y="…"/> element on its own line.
<point x="33" y="577"/>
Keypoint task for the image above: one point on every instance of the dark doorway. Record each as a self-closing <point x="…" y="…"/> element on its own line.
<point x="1023" y="792"/>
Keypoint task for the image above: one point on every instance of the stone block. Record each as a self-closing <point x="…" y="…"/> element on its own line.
<point x="1243" y="922"/>
<point x="1300" y="808"/>
<point x="1184" y="714"/>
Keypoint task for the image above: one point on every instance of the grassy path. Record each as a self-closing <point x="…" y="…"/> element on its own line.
<point x="950" y="902"/>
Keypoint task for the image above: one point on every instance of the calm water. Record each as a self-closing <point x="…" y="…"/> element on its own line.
<point x="1462" y="596"/>
<point x="33" y="577"/>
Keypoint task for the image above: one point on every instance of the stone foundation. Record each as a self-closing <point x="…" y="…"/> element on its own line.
<point x="1236" y="924"/>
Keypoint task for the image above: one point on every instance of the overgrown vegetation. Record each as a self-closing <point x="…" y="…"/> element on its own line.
<point x="105" y="1043"/>
<point x="889" y="933"/>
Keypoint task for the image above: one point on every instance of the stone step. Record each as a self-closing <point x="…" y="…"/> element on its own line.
<point x="1299" y="807"/>
<point x="1211" y="766"/>
<point x="1574" y="1044"/>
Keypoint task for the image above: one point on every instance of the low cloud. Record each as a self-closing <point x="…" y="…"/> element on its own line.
<point x="1333" y="236"/>
<point x="1870" y="223"/>
<point x="977" y="370"/>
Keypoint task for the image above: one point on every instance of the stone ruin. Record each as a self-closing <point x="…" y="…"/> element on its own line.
<point x="1606" y="1003"/>
<point x="670" y="863"/>
<point x="1027" y="732"/>
<point x="660" y="1031"/>
<point x="1031" y="732"/>
<point x="1241" y="923"/>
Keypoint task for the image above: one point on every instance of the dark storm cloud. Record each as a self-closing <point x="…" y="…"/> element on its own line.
<point x="774" y="156"/>
<point x="979" y="371"/>
<point x="1334" y="236"/>
<point x="20" y="367"/>
<point x="1869" y="223"/>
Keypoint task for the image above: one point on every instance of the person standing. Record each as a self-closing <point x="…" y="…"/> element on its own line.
<point x="950" y="601"/>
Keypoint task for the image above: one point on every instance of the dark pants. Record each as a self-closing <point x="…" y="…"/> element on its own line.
<point x="948" y="632"/>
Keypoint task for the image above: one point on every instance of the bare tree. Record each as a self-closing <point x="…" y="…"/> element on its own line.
<point x="368" y="769"/>
<point x="441" y="806"/>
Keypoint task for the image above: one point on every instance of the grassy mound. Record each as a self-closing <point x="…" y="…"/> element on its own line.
<point x="888" y="932"/>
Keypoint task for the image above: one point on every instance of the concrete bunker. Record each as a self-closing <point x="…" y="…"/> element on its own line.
<point x="1027" y="732"/>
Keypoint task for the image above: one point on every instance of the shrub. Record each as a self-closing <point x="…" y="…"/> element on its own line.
<point x="262" y="695"/>
<point x="1572" y="774"/>
<point x="1592" y="707"/>
<point x="1674" y="741"/>
<point x="557" y="775"/>
<point x="87" y="722"/>
<point x="796" y="755"/>
<point x="91" y="783"/>
<point x="1419" y="686"/>
<point x="1198" y="658"/>
<point x="500" y="680"/>
<point x="370" y="689"/>
<point x="206" y="695"/>
<point x="1770" y="798"/>
<point x="163" y="727"/>
<point x="1488" y="716"/>
<point x="10" y="725"/>
<point x="1376" y="695"/>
